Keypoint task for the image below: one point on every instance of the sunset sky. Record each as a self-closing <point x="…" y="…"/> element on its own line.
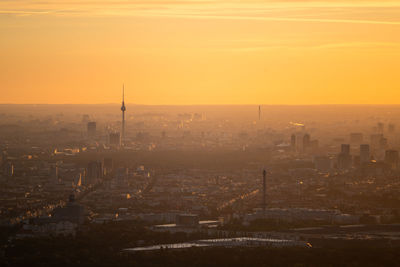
<point x="200" y="51"/>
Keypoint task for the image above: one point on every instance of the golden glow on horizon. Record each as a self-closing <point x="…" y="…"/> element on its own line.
<point x="200" y="52"/>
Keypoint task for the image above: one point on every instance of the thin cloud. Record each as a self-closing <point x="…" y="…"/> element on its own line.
<point x="257" y="47"/>
<point x="274" y="11"/>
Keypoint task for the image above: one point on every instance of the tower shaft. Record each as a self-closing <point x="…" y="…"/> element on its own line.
<point x="123" y="129"/>
<point x="264" y="204"/>
<point x="123" y="108"/>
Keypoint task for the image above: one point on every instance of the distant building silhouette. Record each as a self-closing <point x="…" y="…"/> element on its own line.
<point x="94" y="172"/>
<point x="114" y="139"/>
<point x="344" y="158"/>
<point x="306" y="142"/>
<point x="392" y="159"/>
<point x="91" y="129"/>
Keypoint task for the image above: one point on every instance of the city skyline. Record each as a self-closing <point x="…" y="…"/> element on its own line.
<point x="251" y="133"/>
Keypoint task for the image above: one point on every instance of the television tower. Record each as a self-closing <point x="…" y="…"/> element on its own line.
<point x="123" y="108"/>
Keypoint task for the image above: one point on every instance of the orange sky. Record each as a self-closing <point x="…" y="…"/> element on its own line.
<point x="200" y="51"/>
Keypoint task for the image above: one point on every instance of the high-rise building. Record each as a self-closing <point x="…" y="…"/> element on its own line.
<point x="345" y="149"/>
<point x="306" y="142"/>
<point x="108" y="166"/>
<point x="392" y="159"/>
<point x="364" y="153"/>
<point x="114" y="139"/>
<point x="344" y="158"/>
<point x="91" y="128"/>
<point x="94" y="172"/>
<point x="123" y="109"/>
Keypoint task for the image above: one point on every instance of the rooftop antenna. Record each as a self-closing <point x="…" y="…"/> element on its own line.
<point x="264" y="189"/>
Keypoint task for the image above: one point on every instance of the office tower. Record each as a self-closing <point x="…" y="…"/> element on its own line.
<point x="344" y="158"/>
<point x="293" y="142"/>
<point x="108" y="166"/>
<point x="94" y="172"/>
<point x="364" y="153"/>
<point x="91" y="129"/>
<point x="345" y="149"/>
<point x="306" y="142"/>
<point x="114" y="139"/>
<point x="264" y="189"/>
<point x="356" y="138"/>
<point x="392" y="159"/>
<point x="123" y="109"/>
<point x="259" y="112"/>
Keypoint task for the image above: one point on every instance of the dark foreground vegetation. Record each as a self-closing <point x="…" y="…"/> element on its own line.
<point x="101" y="245"/>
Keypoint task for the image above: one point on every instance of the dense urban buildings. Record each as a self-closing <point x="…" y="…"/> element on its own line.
<point x="221" y="172"/>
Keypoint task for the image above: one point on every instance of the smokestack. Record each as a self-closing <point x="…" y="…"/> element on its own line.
<point x="264" y="189"/>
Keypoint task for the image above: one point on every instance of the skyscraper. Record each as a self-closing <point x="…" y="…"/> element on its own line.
<point x="114" y="139"/>
<point x="344" y="158"/>
<point x="91" y="129"/>
<point x="123" y="108"/>
<point x="345" y="149"/>
<point x="392" y="159"/>
<point x="306" y="142"/>
<point x="94" y="172"/>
